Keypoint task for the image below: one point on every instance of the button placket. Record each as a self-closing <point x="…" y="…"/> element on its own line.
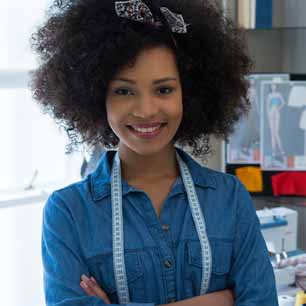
<point x="160" y="230"/>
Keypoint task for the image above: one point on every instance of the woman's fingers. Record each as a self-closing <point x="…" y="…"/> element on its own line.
<point x="100" y="293"/>
<point x="87" y="288"/>
<point x="93" y="279"/>
<point x="91" y="287"/>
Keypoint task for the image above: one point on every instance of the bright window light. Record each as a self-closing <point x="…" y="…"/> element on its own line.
<point x="18" y="20"/>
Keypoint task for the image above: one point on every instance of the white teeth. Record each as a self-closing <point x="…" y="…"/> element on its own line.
<point x="146" y="130"/>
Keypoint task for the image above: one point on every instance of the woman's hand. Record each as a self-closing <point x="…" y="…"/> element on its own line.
<point x="91" y="287"/>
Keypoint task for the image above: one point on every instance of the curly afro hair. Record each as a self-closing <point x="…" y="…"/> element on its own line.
<point x="83" y="44"/>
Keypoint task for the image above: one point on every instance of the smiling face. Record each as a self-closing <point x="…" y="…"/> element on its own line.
<point x="144" y="102"/>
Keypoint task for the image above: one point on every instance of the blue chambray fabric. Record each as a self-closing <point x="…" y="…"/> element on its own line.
<point x="162" y="255"/>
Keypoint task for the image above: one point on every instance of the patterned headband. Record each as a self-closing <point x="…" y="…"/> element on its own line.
<point x="138" y="11"/>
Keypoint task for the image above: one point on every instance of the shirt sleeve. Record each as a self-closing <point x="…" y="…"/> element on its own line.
<point x="251" y="274"/>
<point x="62" y="259"/>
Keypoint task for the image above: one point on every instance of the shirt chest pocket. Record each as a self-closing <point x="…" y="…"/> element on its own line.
<point x="221" y="262"/>
<point x="104" y="270"/>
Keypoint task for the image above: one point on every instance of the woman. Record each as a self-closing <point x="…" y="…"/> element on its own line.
<point x="149" y="226"/>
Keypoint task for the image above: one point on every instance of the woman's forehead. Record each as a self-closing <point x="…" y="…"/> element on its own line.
<point x="154" y="63"/>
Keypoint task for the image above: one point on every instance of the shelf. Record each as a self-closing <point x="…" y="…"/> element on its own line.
<point x="277" y="29"/>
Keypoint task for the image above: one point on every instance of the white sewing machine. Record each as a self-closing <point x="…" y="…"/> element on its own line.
<point x="279" y="229"/>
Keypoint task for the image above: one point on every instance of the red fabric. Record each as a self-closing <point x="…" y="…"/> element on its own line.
<point x="289" y="183"/>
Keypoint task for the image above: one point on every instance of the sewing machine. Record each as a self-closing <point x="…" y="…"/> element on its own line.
<point x="279" y="229"/>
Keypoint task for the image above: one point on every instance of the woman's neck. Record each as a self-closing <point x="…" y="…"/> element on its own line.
<point x="148" y="167"/>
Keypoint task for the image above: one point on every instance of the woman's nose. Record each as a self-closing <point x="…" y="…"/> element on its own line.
<point x="146" y="107"/>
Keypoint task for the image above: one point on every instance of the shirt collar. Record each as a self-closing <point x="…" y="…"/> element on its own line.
<point x="100" y="179"/>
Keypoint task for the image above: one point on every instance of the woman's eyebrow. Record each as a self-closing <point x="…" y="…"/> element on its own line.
<point x="155" y="81"/>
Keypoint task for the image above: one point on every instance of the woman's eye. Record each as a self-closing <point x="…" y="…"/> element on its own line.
<point x="165" y="90"/>
<point x="123" y="92"/>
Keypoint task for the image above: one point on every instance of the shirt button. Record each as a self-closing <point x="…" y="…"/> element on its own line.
<point x="168" y="263"/>
<point x="165" y="227"/>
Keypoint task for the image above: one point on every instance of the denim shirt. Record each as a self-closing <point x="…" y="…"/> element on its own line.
<point x="162" y="255"/>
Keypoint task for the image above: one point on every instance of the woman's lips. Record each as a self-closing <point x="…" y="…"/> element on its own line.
<point x="147" y="132"/>
<point x="146" y="125"/>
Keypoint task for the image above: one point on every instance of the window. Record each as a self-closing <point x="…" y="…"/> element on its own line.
<point x="32" y="146"/>
<point x="32" y="157"/>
